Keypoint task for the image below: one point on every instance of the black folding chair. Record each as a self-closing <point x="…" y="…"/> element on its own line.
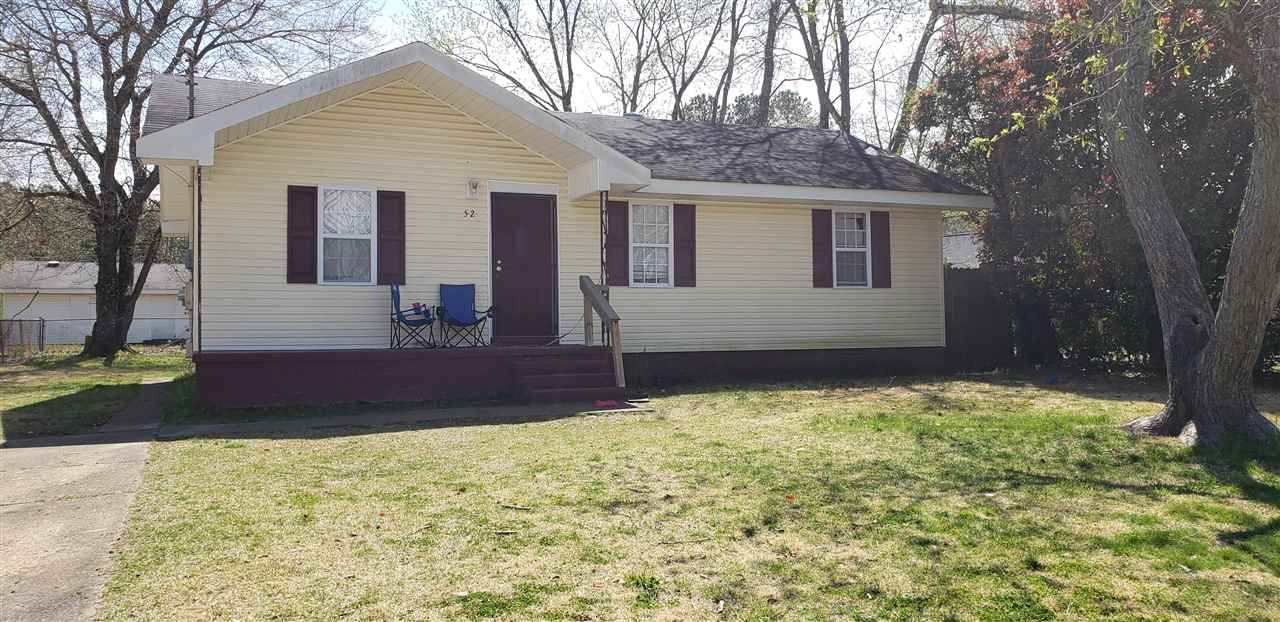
<point x="410" y="326"/>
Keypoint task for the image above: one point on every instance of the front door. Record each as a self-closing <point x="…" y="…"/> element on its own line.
<point x="524" y="266"/>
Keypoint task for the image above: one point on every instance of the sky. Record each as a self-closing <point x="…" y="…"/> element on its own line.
<point x="394" y="20"/>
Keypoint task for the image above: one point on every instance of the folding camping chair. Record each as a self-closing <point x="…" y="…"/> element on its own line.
<point x="410" y="326"/>
<point x="461" y="323"/>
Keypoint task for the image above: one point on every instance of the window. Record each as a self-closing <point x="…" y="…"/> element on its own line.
<point x="347" y="231"/>
<point x="852" y="249"/>
<point x="650" y="245"/>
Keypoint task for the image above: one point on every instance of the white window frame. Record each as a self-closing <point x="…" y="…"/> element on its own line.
<point x="372" y="237"/>
<point x="836" y="250"/>
<point x="670" y="245"/>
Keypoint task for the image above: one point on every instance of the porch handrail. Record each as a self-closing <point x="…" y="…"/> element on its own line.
<point x="595" y="301"/>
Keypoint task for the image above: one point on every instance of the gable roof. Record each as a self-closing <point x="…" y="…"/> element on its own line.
<point x="194" y="140"/>
<point x="695" y="151"/>
<point x="80" y="277"/>
<point x="601" y="152"/>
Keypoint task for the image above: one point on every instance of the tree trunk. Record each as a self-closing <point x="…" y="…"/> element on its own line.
<point x="902" y="128"/>
<point x="117" y="291"/>
<point x="766" y="79"/>
<point x="1208" y="358"/>
<point x="1224" y="406"/>
<point x="842" y="66"/>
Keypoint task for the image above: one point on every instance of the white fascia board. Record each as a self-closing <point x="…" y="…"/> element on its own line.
<point x="194" y="139"/>
<point x="778" y="192"/>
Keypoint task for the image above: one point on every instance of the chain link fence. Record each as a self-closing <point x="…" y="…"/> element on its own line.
<point x="24" y="338"/>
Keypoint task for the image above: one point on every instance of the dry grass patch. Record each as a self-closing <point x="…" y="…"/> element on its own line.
<point x="956" y="499"/>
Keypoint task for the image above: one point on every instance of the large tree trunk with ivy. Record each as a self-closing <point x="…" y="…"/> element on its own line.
<point x="1208" y="356"/>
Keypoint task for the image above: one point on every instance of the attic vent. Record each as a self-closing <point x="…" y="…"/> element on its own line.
<point x="633" y="115"/>
<point x="871" y="151"/>
<point x="52" y="264"/>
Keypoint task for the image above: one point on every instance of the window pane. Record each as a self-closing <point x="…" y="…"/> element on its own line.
<point x="651" y="224"/>
<point x="850" y="230"/>
<point x="346" y="261"/>
<point x="650" y="265"/>
<point x="851" y="268"/>
<point x="348" y="212"/>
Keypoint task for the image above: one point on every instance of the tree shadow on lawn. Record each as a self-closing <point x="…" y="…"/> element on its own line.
<point x="74" y="413"/>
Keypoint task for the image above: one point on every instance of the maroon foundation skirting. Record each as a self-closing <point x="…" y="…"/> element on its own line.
<point x="235" y="379"/>
<point x="666" y="368"/>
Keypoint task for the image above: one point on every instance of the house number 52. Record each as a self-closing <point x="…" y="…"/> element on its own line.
<point x="468" y="213"/>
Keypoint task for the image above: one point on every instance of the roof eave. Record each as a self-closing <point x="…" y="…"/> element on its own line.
<point x="780" y="192"/>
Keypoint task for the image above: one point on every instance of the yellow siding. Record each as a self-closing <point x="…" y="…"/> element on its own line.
<point x="755" y="288"/>
<point x="392" y="138"/>
<point x="754" y="269"/>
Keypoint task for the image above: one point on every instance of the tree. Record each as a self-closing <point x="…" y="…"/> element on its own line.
<point x="736" y="16"/>
<point x="690" y="29"/>
<point x="1208" y="353"/>
<point x="787" y="108"/>
<point x="772" y="20"/>
<point x="75" y="71"/>
<point x="628" y="32"/>
<point x="531" y="45"/>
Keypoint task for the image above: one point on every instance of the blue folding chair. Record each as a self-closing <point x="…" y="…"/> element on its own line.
<point x="461" y="323"/>
<point x="410" y="326"/>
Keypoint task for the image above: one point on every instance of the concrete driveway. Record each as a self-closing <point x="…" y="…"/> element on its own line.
<point x="63" y="504"/>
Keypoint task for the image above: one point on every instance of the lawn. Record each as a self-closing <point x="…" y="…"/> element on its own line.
<point x="61" y="393"/>
<point x="987" y="499"/>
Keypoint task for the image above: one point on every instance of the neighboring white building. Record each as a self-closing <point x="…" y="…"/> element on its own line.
<point x="62" y="293"/>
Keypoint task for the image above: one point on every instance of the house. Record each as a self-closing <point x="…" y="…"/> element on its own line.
<point x="723" y="251"/>
<point x="62" y="293"/>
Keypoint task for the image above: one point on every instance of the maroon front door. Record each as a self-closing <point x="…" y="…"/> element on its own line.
<point x="524" y="266"/>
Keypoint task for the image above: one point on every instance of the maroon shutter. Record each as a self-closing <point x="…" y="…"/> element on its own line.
<point x="822" y="266"/>
<point x="616" y="254"/>
<point x="881" y="269"/>
<point x="685" y="245"/>
<point x="390" y="237"/>
<point x="300" y="262"/>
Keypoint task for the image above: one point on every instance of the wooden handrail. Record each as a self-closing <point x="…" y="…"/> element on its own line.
<point x="595" y="301"/>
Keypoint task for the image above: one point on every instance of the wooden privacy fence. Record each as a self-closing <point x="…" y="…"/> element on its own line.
<point x="978" y="326"/>
<point x="19" y="338"/>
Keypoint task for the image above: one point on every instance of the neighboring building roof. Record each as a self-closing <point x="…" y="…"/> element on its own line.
<point x="695" y="151"/>
<point x="168" y="104"/>
<point x="960" y="250"/>
<point x="79" y="277"/>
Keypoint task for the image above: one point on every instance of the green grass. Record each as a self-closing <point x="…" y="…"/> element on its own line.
<point x="925" y="500"/>
<point x="64" y="394"/>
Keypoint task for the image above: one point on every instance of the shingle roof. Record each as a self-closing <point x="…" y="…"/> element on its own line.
<point x="694" y="151"/>
<point x="681" y="150"/>
<point x="79" y="275"/>
<point x="168" y="102"/>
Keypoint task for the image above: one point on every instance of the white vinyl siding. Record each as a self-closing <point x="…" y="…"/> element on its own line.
<point x="754" y="262"/>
